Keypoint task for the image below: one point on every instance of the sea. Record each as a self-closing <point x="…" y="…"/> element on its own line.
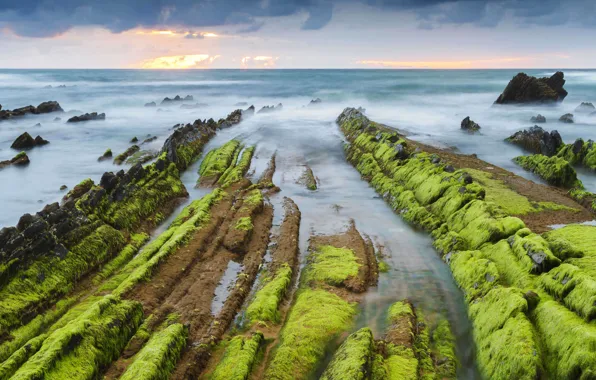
<point x="427" y="105"/>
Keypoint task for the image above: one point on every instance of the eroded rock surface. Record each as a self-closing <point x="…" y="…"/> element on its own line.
<point x="527" y="89"/>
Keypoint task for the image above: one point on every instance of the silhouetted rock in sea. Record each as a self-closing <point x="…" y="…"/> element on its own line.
<point x="585" y="107"/>
<point x="45" y="107"/>
<point x="315" y="102"/>
<point x="567" y="118"/>
<point x="25" y="141"/>
<point x="538" y="119"/>
<point x="106" y="156"/>
<point x="267" y="109"/>
<point x="537" y="140"/>
<point x="469" y="125"/>
<point x="151" y="104"/>
<point x="20" y="159"/>
<point x="526" y="89"/>
<point x="167" y="101"/>
<point x="235" y="117"/>
<point x="87" y="117"/>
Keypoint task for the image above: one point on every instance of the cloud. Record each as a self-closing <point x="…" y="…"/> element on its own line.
<point x="461" y="64"/>
<point x="191" y="61"/>
<point x="260" y="61"/>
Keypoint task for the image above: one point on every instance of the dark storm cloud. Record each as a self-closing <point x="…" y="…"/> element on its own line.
<point x="41" y="18"/>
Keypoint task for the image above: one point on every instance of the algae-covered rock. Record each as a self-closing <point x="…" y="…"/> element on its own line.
<point x="580" y="153"/>
<point x="469" y="125"/>
<point x="239" y="358"/>
<point x="537" y="140"/>
<point x="105" y="156"/>
<point x="21" y="159"/>
<point x="527" y="89"/>
<point x="122" y="157"/>
<point x="185" y="144"/>
<point x="353" y="359"/>
<point x="554" y="170"/>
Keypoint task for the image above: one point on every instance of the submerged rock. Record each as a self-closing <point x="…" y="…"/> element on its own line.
<point x="87" y="117"/>
<point x="151" y="104"/>
<point x="527" y="89"/>
<point x="585" y="107"/>
<point x="538" y="119"/>
<point x="241" y="104"/>
<point x="537" y="140"/>
<point x="25" y="141"/>
<point x="267" y="109"/>
<point x="20" y="159"/>
<point x="167" y="101"/>
<point x="567" y="118"/>
<point x="63" y="187"/>
<point x="469" y="125"/>
<point x="42" y="108"/>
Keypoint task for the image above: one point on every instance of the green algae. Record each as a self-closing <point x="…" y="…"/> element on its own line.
<point x="331" y="265"/>
<point x="218" y="160"/>
<point x="554" y="170"/>
<point x="158" y="357"/>
<point x="426" y="368"/>
<point x="474" y="274"/>
<point x="401" y="363"/>
<point x="237" y="171"/>
<point x="353" y="359"/>
<point x="315" y="319"/>
<point x="82" y="347"/>
<point x="511" y="271"/>
<point x="127" y="253"/>
<point x="265" y="305"/>
<point x="533" y="251"/>
<point x="48" y="278"/>
<point x="443" y="351"/>
<point x="383" y="266"/>
<point x="244" y="224"/>
<point x="580" y="153"/>
<point x="308" y="179"/>
<point x="239" y="357"/>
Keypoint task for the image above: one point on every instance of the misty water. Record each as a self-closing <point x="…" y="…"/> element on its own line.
<point x="428" y="105"/>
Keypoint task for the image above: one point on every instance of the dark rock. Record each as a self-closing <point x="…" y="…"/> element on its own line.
<point x="467" y="179"/>
<point x="79" y="190"/>
<point x="106" y="155"/>
<point x="20" y="159"/>
<point x="585" y="107"/>
<point x="402" y="154"/>
<point x="241" y="104"/>
<point x="315" y="102"/>
<point x="267" y="109"/>
<point x="58" y="119"/>
<point x="40" y="141"/>
<point x="24" y="141"/>
<point x="150" y="139"/>
<point x="63" y="187"/>
<point x="526" y="89"/>
<point x="567" y="118"/>
<point x="108" y="181"/>
<point x="167" y="101"/>
<point x="532" y="299"/>
<point x="142" y="156"/>
<point x="151" y="104"/>
<point x="47" y="107"/>
<point x="25" y="221"/>
<point x="538" y="119"/>
<point x="469" y="125"/>
<point x="578" y="145"/>
<point x="87" y="117"/>
<point x="127" y="153"/>
<point x="190" y="137"/>
<point x="235" y="117"/>
<point x="537" y="140"/>
<point x="449" y="169"/>
<point x="134" y="140"/>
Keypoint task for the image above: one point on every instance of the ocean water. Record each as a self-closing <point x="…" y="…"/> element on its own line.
<point x="429" y="105"/>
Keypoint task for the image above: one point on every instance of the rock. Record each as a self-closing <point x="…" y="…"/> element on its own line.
<point x="194" y="106"/>
<point x="45" y="107"/>
<point x="315" y="102"/>
<point x="149" y="139"/>
<point x="267" y="109"/>
<point x="127" y="153"/>
<point x="177" y="98"/>
<point x="106" y="156"/>
<point x="235" y="117"/>
<point x="241" y="104"/>
<point x="40" y="141"/>
<point x="57" y="119"/>
<point x="189" y="140"/>
<point x="567" y="118"/>
<point x="585" y="107"/>
<point x="20" y="159"/>
<point x="526" y="89"/>
<point x="537" y="140"/>
<point x="87" y="117"/>
<point x="538" y="119"/>
<point x="24" y="141"/>
<point x="151" y="104"/>
<point x="469" y="125"/>
<point x="141" y="157"/>
<point x="134" y="140"/>
<point x="63" y="187"/>
<point x="38" y="125"/>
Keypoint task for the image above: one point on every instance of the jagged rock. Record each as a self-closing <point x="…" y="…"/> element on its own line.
<point x="63" y="187"/>
<point x="526" y="89"/>
<point x="235" y="117"/>
<point x="567" y="118"/>
<point x="45" y="107"/>
<point x="267" y="109"/>
<point x="585" y="107"/>
<point x="127" y="153"/>
<point x="149" y="139"/>
<point x="537" y="140"/>
<point x="469" y="125"/>
<point x="177" y="98"/>
<point x="134" y="140"/>
<point x="20" y="159"/>
<point x="87" y="117"/>
<point x="315" y="102"/>
<point x="141" y="156"/>
<point x="538" y="119"/>
<point x="151" y="104"/>
<point x="106" y="156"/>
<point x="25" y="141"/>
<point x="194" y="106"/>
<point x="186" y="142"/>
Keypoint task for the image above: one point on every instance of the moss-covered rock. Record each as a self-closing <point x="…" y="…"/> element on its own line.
<point x="353" y="359"/>
<point x="241" y="354"/>
<point x="265" y="305"/>
<point x="217" y="161"/>
<point x="554" y="170"/>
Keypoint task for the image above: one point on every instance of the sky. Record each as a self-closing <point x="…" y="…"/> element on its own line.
<point x="188" y="34"/>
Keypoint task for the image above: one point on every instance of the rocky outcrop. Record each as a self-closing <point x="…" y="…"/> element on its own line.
<point x="236" y="117"/>
<point x="149" y="139"/>
<point x="106" y="156"/>
<point x="151" y="104"/>
<point x="45" y="107"/>
<point x="267" y="109"/>
<point x="185" y="144"/>
<point x="20" y="159"/>
<point x="469" y="125"/>
<point x="87" y="117"/>
<point x="119" y="160"/>
<point x="167" y="101"/>
<point x="134" y="140"/>
<point x="580" y="153"/>
<point x="537" y="140"/>
<point x="315" y="102"/>
<point x="585" y="107"/>
<point x="567" y="118"/>
<point x="142" y="156"/>
<point x="527" y="89"/>
<point x="538" y="119"/>
<point x="25" y="141"/>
